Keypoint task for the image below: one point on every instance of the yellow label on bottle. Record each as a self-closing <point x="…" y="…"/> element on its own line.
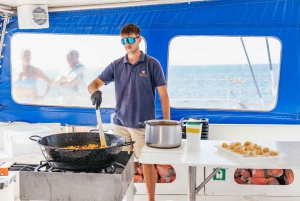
<point x="193" y="130"/>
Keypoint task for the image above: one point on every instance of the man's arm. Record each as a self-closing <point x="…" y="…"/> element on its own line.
<point x="78" y="75"/>
<point x="95" y="85"/>
<point x="164" y="99"/>
<point x="57" y="80"/>
<point x="64" y="81"/>
<point x="69" y="82"/>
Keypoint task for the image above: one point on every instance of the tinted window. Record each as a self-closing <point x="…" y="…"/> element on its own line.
<point x="239" y="73"/>
<point x="64" y="64"/>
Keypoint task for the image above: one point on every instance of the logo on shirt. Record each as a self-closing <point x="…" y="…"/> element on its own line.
<point x="143" y="74"/>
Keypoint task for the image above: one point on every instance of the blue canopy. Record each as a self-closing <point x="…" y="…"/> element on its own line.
<point x="278" y="18"/>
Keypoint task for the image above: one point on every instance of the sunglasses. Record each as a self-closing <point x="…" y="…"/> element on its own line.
<point x="130" y="40"/>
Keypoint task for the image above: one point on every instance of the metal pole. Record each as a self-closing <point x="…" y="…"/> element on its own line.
<point x="228" y="91"/>
<point x="262" y="102"/>
<point x="5" y="21"/>
<point x="271" y="69"/>
<point x="207" y="180"/>
<point x="192" y="183"/>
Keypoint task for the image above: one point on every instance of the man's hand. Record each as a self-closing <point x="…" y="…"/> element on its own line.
<point x="97" y="99"/>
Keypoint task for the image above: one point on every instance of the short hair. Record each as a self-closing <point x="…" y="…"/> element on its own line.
<point x="130" y="29"/>
<point x="25" y="49"/>
<point x="74" y="52"/>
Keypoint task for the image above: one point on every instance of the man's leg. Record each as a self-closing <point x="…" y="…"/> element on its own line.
<point x="149" y="171"/>
<point x="122" y="131"/>
<point x="150" y="180"/>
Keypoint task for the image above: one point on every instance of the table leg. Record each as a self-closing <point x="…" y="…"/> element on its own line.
<point x="192" y="183"/>
<point x="192" y="190"/>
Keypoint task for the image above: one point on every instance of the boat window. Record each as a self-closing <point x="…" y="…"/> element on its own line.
<point x="220" y="72"/>
<point x="55" y="70"/>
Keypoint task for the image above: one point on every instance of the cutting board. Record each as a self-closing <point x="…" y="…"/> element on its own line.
<point x="176" y="150"/>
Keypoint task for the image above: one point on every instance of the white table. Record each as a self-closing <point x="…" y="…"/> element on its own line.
<point x="205" y="154"/>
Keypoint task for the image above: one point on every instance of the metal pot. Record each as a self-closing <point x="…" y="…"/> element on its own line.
<point x="163" y="134"/>
<point x="57" y="156"/>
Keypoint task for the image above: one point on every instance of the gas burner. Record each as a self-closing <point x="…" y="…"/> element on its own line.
<point x="37" y="168"/>
<point x="52" y="169"/>
<point x="109" y="172"/>
<point x="119" y="164"/>
<point x="45" y="167"/>
<point x="22" y="167"/>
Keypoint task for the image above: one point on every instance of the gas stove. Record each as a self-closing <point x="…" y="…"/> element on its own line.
<point x="42" y="182"/>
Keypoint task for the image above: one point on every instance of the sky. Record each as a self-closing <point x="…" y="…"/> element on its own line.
<point x="216" y="50"/>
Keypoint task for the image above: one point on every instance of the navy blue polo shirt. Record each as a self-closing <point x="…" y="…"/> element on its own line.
<point x="134" y="88"/>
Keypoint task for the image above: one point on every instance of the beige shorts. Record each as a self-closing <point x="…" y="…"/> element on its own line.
<point x="132" y="134"/>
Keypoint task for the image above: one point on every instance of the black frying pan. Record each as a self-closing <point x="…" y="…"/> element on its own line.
<point x="52" y="147"/>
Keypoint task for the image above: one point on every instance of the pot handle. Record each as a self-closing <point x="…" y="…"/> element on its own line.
<point x="127" y="143"/>
<point x="31" y="137"/>
<point x="64" y="150"/>
<point x="142" y="123"/>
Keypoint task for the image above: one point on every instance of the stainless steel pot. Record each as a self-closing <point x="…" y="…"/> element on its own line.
<point x="163" y="134"/>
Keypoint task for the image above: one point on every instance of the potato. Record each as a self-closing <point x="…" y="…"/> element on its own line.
<point x="225" y="145"/>
<point x="266" y="150"/>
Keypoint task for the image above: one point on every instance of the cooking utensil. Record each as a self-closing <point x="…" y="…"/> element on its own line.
<point x="163" y="133"/>
<point x="53" y="149"/>
<point x="100" y="127"/>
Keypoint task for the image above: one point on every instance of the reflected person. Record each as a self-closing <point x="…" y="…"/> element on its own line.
<point x="72" y="81"/>
<point x="24" y="83"/>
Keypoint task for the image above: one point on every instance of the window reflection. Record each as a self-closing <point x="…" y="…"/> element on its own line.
<point x="25" y="79"/>
<point x="59" y="67"/>
<point x="71" y="81"/>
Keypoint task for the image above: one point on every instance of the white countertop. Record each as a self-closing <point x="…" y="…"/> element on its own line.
<point x="205" y="154"/>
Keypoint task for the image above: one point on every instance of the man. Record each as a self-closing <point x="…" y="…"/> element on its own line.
<point x="136" y="75"/>
<point x="72" y="81"/>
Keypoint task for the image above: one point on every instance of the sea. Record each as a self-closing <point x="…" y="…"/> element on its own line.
<point x="238" y="86"/>
<point x="223" y="86"/>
